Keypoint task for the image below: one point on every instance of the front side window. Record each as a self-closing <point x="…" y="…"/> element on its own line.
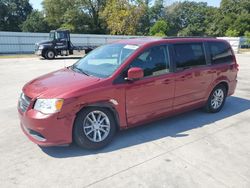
<point x="220" y="52"/>
<point x="105" y="60"/>
<point x="189" y="55"/>
<point x="153" y="61"/>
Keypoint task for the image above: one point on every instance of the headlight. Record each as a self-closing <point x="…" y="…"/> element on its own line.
<point x="48" y="106"/>
<point x="41" y="47"/>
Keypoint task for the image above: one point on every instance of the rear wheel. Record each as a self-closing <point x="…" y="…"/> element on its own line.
<point x="50" y="54"/>
<point x="94" y="128"/>
<point x="216" y="99"/>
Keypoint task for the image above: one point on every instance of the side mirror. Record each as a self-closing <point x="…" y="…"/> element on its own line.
<point x="135" y="73"/>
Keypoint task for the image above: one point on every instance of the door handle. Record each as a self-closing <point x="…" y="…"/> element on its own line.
<point x="186" y="75"/>
<point x="167" y="81"/>
<point x="212" y="71"/>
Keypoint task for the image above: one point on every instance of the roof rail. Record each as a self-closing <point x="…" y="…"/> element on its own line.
<point x="175" y="37"/>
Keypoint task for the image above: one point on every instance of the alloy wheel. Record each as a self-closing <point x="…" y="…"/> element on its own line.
<point x="96" y="126"/>
<point x="217" y="98"/>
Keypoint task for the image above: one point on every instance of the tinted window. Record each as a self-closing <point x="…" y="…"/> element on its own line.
<point x="153" y="61"/>
<point x="220" y="52"/>
<point x="188" y="55"/>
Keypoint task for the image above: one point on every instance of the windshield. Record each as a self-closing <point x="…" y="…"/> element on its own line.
<point x="52" y="35"/>
<point x="105" y="60"/>
<point x="61" y="35"/>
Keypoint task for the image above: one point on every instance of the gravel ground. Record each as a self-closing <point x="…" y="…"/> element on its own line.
<point x="194" y="149"/>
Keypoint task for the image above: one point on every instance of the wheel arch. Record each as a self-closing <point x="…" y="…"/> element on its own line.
<point x="107" y="105"/>
<point x="225" y="84"/>
<point x="217" y="82"/>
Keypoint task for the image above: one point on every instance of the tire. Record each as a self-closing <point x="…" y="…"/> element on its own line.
<point x="50" y="54"/>
<point x="216" y="99"/>
<point x="43" y="56"/>
<point x="89" y="135"/>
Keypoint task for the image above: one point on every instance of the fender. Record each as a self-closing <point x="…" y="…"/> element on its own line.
<point x="105" y="104"/>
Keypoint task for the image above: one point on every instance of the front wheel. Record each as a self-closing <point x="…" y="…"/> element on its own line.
<point x="216" y="99"/>
<point x="50" y="54"/>
<point x="94" y="128"/>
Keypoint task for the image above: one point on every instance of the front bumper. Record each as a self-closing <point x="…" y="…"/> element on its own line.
<point x="46" y="130"/>
<point x="38" y="52"/>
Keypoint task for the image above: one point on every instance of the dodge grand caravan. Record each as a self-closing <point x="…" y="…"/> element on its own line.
<point x="125" y="84"/>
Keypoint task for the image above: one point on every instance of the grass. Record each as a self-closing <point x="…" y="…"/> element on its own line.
<point x="245" y="50"/>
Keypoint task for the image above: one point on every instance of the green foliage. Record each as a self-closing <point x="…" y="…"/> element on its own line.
<point x="188" y="18"/>
<point x="247" y="35"/>
<point x="151" y="15"/>
<point x="35" y="22"/>
<point x="75" y="15"/>
<point x="56" y="9"/>
<point x="92" y="9"/>
<point x="13" y="13"/>
<point x="160" y="28"/>
<point x="233" y="14"/>
<point x="232" y="33"/>
<point x="122" y="16"/>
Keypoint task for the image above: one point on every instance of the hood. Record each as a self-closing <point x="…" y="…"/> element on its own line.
<point x="57" y="84"/>
<point x="45" y="42"/>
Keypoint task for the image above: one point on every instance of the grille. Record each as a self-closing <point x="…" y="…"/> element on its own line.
<point x="24" y="102"/>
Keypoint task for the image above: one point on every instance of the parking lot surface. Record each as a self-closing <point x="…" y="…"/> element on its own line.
<point x="194" y="149"/>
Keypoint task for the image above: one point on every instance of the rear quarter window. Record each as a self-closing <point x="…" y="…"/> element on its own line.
<point x="220" y="52"/>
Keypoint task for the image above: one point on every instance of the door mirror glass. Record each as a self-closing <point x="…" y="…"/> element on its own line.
<point x="135" y="73"/>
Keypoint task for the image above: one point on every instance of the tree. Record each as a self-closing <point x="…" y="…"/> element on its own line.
<point x="160" y="28"/>
<point x="187" y="18"/>
<point x="56" y="9"/>
<point x="77" y="21"/>
<point x="150" y="16"/>
<point x="144" y="22"/>
<point x="232" y="33"/>
<point x="93" y="9"/>
<point x="247" y="35"/>
<point x="122" y="16"/>
<point x="232" y="15"/>
<point x="13" y="13"/>
<point x="35" y="22"/>
<point x="80" y="16"/>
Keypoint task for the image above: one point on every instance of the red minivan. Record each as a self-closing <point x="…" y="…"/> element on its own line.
<point x="125" y="84"/>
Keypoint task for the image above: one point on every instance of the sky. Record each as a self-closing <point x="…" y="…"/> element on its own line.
<point x="216" y="3"/>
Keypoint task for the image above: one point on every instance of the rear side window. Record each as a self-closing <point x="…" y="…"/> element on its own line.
<point x="220" y="52"/>
<point x="189" y="55"/>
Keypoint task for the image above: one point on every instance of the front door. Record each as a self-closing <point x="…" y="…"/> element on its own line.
<point x="61" y="40"/>
<point x="152" y="96"/>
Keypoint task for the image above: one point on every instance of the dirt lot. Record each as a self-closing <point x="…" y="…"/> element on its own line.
<point x="194" y="149"/>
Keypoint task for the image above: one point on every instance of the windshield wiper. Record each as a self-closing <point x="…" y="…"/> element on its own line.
<point x="79" y="70"/>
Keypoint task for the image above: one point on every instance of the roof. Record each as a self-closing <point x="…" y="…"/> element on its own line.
<point x="139" y="41"/>
<point x="153" y="40"/>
